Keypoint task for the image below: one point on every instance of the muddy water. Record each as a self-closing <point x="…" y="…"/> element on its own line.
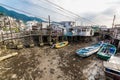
<point x="44" y="63"/>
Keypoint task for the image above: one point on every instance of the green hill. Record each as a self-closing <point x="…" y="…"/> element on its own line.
<point x="18" y="15"/>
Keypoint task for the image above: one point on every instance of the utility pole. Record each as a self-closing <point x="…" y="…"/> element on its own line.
<point x="49" y="30"/>
<point x="49" y="20"/>
<point x="113" y="21"/>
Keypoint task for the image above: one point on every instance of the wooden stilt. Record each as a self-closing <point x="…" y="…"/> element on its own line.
<point x="41" y="36"/>
<point x="2" y="39"/>
<point x="41" y="40"/>
<point x="31" y="40"/>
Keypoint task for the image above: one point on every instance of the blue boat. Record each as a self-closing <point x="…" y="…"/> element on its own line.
<point x="87" y="51"/>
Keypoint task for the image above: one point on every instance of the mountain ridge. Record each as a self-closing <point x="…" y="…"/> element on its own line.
<point x="18" y="16"/>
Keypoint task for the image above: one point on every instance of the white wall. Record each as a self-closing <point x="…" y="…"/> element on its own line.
<point x="87" y="32"/>
<point x="59" y="27"/>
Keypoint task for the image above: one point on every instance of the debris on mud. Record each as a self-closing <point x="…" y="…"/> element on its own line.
<point x="44" y="63"/>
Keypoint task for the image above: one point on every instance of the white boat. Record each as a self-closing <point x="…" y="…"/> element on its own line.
<point x="87" y="51"/>
<point x="112" y="68"/>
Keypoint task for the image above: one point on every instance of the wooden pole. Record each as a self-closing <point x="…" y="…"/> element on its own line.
<point x="50" y="31"/>
<point x="49" y="20"/>
<point x="41" y="35"/>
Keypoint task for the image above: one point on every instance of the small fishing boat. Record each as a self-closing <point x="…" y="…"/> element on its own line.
<point x="87" y="51"/>
<point x="112" y="68"/>
<point x="106" y="51"/>
<point x="61" y="44"/>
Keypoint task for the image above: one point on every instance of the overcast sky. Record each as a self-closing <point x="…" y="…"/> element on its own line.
<point x="98" y="11"/>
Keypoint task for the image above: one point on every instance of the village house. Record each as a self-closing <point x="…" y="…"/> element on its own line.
<point x="83" y="31"/>
<point x="103" y="28"/>
<point x="116" y="35"/>
<point x="44" y="27"/>
<point x="58" y="28"/>
<point x="116" y="32"/>
<point x="20" y="24"/>
<point x="6" y="23"/>
<point x="9" y="25"/>
<point x="30" y="25"/>
<point x="1" y="22"/>
<point x="96" y="28"/>
<point x="68" y="24"/>
<point x="35" y="25"/>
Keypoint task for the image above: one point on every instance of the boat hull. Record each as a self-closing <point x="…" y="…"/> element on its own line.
<point x="106" y="51"/>
<point x="61" y="44"/>
<point x="87" y="51"/>
<point x="103" y="57"/>
<point x="87" y="54"/>
<point x="112" y="75"/>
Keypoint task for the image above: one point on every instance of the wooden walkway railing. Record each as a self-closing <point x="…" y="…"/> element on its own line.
<point x="23" y="34"/>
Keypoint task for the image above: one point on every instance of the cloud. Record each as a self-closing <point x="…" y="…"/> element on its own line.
<point x="103" y="18"/>
<point x="44" y="9"/>
<point x="100" y="12"/>
<point x="115" y="2"/>
<point x="109" y="12"/>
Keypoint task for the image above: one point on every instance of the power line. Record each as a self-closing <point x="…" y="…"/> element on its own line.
<point x="22" y="11"/>
<point x="25" y="12"/>
<point x="59" y="9"/>
<point x="51" y="10"/>
<point x="28" y="12"/>
<point x="68" y="11"/>
<point x="62" y="9"/>
<point x="33" y="14"/>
